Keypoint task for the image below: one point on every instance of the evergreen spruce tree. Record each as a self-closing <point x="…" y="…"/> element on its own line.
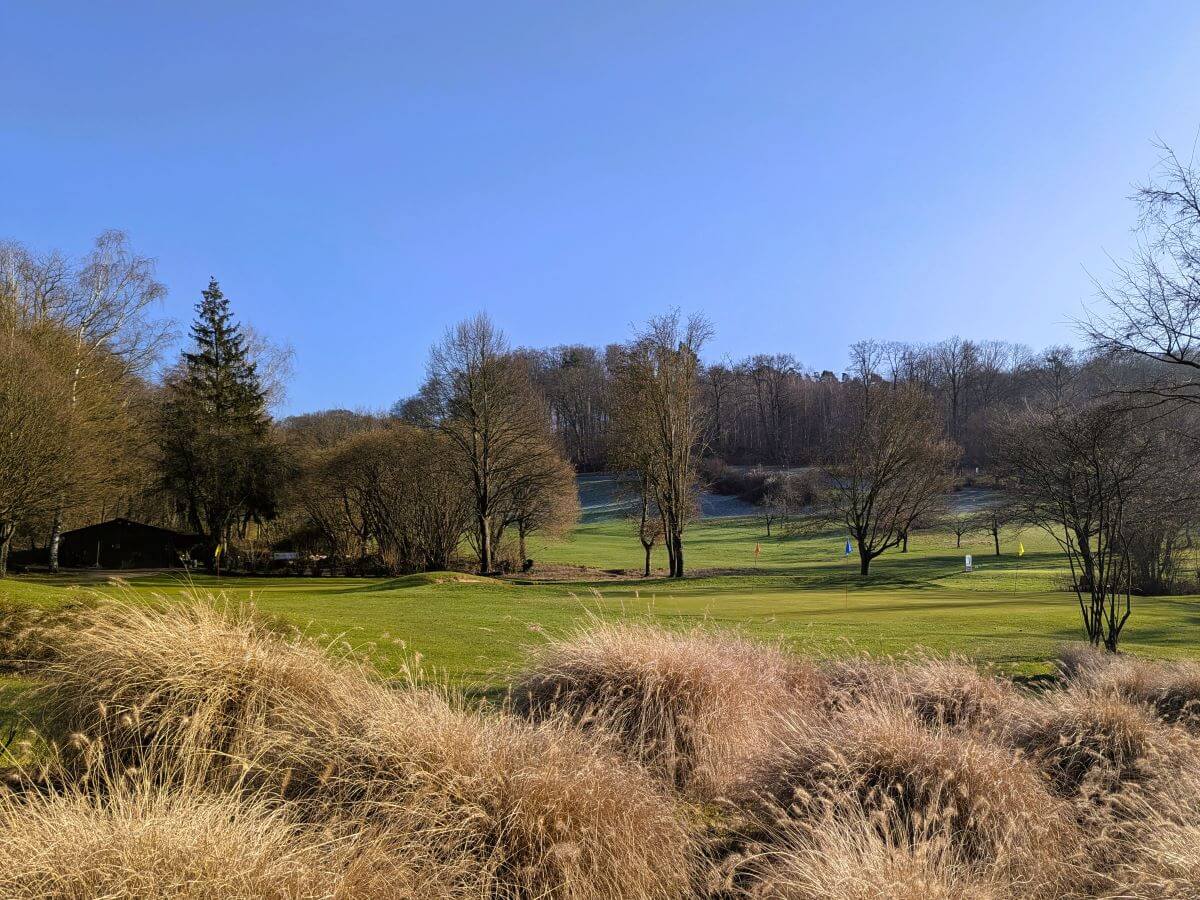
<point x="219" y="372"/>
<point x="219" y="461"/>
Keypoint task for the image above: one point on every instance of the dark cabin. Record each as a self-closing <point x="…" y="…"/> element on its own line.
<point x="124" y="544"/>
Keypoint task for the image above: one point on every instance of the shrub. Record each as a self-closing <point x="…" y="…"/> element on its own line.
<point x="758" y="486"/>
<point x="540" y="811"/>
<point x="693" y="706"/>
<point x="721" y="479"/>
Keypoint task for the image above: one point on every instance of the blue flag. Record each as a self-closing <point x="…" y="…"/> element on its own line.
<point x="848" y="548"/>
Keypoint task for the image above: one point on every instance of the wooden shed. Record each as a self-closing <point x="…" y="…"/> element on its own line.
<point x="124" y="544"/>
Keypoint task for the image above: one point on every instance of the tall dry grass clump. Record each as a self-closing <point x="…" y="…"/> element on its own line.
<point x="913" y="779"/>
<point x="1152" y="838"/>
<point x="852" y="858"/>
<point x="548" y="814"/>
<point x="26" y="632"/>
<point x="152" y="843"/>
<point x="694" y="706"/>
<point x="540" y="811"/>
<point x="1171" y="689"/>
<point x="138" y="838"/>
<point x="191" y="679"/>
<point x="939" y="691"/>
<point x="1091" y="745"/>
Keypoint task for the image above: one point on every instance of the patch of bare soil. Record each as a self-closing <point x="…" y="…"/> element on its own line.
<point x="563" y="572"/>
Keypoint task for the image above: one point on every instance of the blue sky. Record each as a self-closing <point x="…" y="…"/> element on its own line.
<point x="360" y="175"/>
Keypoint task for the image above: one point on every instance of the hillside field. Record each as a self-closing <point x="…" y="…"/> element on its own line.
<point x="1011" y="611"/>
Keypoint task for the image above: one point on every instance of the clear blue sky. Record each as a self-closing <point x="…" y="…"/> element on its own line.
<point x="359" y="175"/>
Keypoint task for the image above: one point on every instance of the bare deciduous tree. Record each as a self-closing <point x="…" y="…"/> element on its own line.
<point x="33" y="457"/>
<point x="480" y="396"/>
<point x="411" y="495"/>
<point x="544" y="500"/>
<point x="659" y="406"/>
<point x="1079" y="472"/>
<point x="866" y="358"/>
<point x="319" y="500"/>
<point x="629" y="451"/>
<point x="887" y="465"/>
<point x="719" y="382"/>
<point x="574" y="381"/>
<point x="784" y="495"/>
<point x="1152" y="307"/>
<point x="388" y="491"/>
<point x="648" y="520"/>
<point x="274" y="362"/>
<point x="962" y="524"/>
<point x="769" y="377"/>
<point x="997" y="516"/>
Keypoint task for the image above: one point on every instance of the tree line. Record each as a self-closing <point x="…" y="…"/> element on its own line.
<point x="769" y="409"/>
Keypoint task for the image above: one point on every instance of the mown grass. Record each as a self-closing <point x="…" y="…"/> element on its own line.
<point x="819" y="559"/>
<point x="802" y="592"/>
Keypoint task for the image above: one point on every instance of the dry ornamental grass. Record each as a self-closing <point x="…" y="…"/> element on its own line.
<point x="204" y="754"/>
<point x="693" y="706"/>
<point x="540" y="810"/>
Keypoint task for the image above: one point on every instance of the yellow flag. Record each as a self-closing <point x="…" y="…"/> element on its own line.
<point x="1020" y="549"/>
<point x="217" y="553"/>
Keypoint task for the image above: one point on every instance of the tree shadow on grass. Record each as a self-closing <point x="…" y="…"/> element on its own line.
<point x="423" y="579"/>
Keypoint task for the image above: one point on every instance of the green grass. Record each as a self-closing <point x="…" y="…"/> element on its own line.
<point x="802" y="591"/>
<point x="727" y="545"/>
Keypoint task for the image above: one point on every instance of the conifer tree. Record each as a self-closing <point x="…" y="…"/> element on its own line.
<point x="219" y="460"/>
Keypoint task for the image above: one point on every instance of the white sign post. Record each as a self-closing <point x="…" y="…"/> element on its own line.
<point x="967" y="566"/>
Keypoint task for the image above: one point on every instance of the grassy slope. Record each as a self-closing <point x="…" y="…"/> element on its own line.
<point x="802" y="591"/>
